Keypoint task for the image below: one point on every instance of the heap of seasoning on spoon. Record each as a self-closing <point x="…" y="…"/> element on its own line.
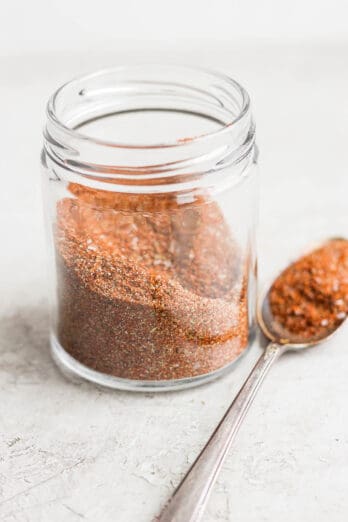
<point x="304" y="306"/>
<point x="310" y="298"/>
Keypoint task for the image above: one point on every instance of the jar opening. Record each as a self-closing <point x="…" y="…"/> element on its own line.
<point x="144" y="120"/>
<point x="152" y="87"/>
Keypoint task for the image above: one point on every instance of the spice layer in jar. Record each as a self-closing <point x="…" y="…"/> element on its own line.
<point x="155" y="275"/>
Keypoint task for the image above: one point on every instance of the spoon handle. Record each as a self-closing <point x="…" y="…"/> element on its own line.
<point x="190" y="498"/>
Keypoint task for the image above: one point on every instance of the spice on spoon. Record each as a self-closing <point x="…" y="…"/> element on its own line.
<point x="310" y="297"/>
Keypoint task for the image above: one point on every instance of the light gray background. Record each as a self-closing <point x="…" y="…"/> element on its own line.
<point x="68" y="25"/>
<point x="70" y="451"/>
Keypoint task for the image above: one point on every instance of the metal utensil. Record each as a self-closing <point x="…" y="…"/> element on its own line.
<point x="190" y="498"/>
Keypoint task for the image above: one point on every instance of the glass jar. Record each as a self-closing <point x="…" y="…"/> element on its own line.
<point x="151" y="196"/>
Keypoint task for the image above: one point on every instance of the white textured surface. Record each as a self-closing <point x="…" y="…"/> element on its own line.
<point x="70" y="451"/>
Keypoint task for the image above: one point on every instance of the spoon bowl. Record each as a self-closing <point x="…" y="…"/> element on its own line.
<point x="279" y="335"/>
<point x="276" y="334"/>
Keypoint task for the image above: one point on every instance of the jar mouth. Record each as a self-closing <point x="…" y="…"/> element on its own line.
<point x="223" y="85"/>
<point x="157" y="165"/>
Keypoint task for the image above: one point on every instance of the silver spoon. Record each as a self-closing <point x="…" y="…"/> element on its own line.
<point x="189" y="501"/>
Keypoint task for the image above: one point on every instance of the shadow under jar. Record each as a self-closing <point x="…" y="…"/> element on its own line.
<point x="151" y="197"/>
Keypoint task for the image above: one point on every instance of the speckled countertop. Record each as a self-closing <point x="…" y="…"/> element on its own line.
<point x="70" y="451"/>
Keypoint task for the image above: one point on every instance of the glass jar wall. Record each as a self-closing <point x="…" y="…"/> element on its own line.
<point x="150" y="191"/>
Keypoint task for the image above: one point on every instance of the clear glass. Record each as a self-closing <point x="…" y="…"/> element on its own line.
<point x="150" y="191"/>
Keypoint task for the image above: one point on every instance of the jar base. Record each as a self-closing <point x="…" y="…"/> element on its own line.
<point x="71" y="368"/>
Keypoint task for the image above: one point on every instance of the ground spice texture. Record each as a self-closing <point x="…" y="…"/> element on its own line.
<point x="310" y="298"/>
<point x="148" y="289"/>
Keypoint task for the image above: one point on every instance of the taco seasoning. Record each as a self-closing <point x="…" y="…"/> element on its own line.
<point x="310" y="298"/>
<point x="153" y="244"/>
<point x="147" y="295"/>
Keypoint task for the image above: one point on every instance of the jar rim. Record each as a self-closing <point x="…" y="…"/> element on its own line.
<point x="51" y="109"/>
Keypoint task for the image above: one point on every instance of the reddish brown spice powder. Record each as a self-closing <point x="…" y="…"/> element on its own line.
<point x="310" y="297"/>
<point x="148" y="289"/>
